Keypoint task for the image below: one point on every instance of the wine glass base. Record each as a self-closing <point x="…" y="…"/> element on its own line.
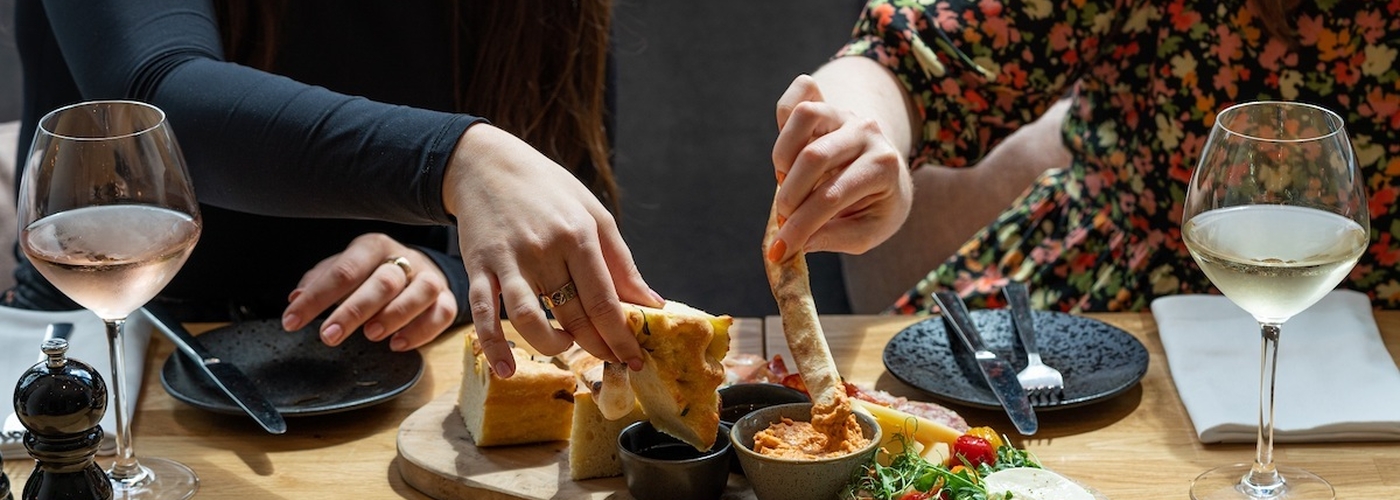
<point x="1224" y="483"/>
<point x="160" y="479"/>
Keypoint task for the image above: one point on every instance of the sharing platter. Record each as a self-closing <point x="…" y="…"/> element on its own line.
<point x="550" y="430"/>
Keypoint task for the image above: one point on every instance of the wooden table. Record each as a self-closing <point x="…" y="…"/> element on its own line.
<point x="1139" y="445"/>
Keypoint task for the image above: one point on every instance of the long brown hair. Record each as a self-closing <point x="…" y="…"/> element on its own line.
<point x="535" y="68"/>
<point x="1275" y="16"/>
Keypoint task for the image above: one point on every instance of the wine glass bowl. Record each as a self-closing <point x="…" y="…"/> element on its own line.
<point x="107" y="214"/>
<point x="1275" y="216"/>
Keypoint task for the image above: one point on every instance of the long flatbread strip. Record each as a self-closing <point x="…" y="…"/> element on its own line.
<point x="793" y="291"/>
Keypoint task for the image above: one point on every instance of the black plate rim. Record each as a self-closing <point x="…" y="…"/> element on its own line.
<point x="224" y="405"/>
<point x="1128" y="384"/>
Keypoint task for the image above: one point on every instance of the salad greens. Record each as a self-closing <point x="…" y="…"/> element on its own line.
<point x="912" y="477"/>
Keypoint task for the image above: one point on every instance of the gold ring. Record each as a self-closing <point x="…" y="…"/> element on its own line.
<point x="559" y="297"/>
<point x="402" y="262"/>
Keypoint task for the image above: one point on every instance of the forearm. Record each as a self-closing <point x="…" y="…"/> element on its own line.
<point x="269" y="145"/>
<point x="257" y="142"/>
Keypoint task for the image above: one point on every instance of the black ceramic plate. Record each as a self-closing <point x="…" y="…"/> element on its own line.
<point x="1098" y="360"/>
<point x="294" y="370"/>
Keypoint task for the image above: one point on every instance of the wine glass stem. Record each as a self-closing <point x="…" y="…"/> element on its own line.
<point x="1263" y="479"/>
<point x="125" y="470"/>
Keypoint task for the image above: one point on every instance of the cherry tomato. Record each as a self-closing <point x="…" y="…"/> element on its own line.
<point x="989" y="434"/>
<point x="974" y="450"/>
<point x="916" y="495"/>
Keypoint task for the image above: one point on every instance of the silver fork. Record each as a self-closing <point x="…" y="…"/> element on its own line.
<point x="1044" y="385"/>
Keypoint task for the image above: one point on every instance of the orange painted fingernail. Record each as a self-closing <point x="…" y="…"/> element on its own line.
<point x="781" y="220"/>
<point x="776" y="250"/>
<point x="781" y="176"/>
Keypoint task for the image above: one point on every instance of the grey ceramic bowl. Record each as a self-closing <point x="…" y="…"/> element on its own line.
<point x="789" y="479"/>
<point x="660" y="467"/>
<point x="739" y="399"/>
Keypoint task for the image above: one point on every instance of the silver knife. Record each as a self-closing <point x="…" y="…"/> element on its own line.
<point x="227" y="376"/>
<point x="54" y="331"/>
<point x="1000" y="375"/>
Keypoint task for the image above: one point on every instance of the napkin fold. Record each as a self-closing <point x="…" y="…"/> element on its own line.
<point x="21" y="333"/>
<point x="1335" y="379"/>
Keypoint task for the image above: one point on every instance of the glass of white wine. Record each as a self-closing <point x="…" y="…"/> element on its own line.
<point x="1276" y="217"/>
<point x="107" y="214"/>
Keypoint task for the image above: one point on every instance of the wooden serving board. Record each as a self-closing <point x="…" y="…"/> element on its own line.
<point x="437" y="456"/>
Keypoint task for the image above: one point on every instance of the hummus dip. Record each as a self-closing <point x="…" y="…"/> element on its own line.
<point x="795" y="440"/>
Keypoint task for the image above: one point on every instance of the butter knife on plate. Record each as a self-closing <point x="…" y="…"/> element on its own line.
<point x="1000" y="375"/>
<point x="226" y="376"/>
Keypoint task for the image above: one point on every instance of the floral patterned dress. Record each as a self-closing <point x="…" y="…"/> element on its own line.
<point x="1146" y="78"/>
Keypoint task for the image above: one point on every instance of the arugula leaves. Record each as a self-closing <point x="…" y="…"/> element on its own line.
<point x="908" y="472"/>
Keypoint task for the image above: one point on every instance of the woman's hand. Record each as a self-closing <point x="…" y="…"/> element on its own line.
<point x="843" y="183"/>
<point x="528" y="228"/>
<point x="406" y="301"/>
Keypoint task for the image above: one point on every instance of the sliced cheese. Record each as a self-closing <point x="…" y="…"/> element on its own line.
<point x="930" y="439"/>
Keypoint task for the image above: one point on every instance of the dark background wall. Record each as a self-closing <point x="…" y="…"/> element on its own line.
<point x="9" y="64"/>
<point x="698" y="84"/>
<point x="696" y="91"/>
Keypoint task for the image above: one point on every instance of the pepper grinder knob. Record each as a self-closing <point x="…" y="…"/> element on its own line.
<point x="56" y="350"/>
<point x="60" y="401"/>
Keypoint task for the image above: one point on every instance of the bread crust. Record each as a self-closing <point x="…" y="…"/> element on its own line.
<point x="831" y="410"/>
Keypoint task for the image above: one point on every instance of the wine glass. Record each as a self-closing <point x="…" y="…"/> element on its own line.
<point x="107" y="214"/>
<point x="1276" y="216"/>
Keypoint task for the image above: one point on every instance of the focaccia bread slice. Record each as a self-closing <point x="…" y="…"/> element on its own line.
<point x="593" y="443"/>
<point x="682" y="353"/>
<point x="492" y="407"/>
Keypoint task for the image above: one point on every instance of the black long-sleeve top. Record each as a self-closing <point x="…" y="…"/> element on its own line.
<point x="288" y="168"/>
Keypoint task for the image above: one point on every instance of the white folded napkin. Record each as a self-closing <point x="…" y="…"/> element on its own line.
<point x="1335" y="382"/>
<point x="21" y="332"/>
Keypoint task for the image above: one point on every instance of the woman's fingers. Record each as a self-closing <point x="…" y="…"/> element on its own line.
<point x="802" y="89"/>
<point x="416" y="298"/>
<point x="522" y="305"/>
<point x="597" y="320"/>
<point x="482" y="297"/>
<point x="324" y="285"/>
<point x="382" y="286"/>
<point x="530" y="223"/>
<point x="623" y="269"/>
<point x="426" y="327"/>
<point x="842" y="172"/>
<point x="376" y="285"/>
<point x="808" y="121"/>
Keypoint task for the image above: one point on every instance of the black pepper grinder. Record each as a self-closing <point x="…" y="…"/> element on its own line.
<point x="61" y="401"/>
<point x="4" y="482"/>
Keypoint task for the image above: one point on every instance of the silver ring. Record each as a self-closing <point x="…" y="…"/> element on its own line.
<point x="403" y="264"/>
<point x="559" y="297"/>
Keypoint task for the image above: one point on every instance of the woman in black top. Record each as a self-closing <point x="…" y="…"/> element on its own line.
<point x="316" y="128"/>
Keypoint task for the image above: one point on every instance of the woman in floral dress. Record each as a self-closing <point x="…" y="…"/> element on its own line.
<point x="942" y="82"/>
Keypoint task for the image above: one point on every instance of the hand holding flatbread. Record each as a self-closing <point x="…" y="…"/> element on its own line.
<point x="831" y="410"/>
